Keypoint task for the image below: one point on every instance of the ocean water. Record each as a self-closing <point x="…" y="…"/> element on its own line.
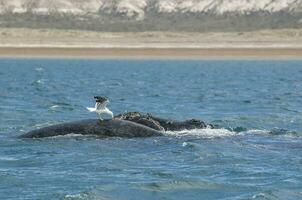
<point x="254" y="153"/>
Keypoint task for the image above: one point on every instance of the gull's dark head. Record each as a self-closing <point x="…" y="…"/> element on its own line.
<point x="101" y="99"/>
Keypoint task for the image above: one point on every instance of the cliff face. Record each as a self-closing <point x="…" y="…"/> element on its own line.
<point x="153" y="14"/>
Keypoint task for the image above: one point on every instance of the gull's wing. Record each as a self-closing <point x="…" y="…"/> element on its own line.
<point x="101" y="106"/>
<point x="91" y="109"/>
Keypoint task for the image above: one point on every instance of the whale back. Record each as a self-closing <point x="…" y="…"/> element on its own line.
<point x="163" y="124"/>
<point x="106" y="128"/>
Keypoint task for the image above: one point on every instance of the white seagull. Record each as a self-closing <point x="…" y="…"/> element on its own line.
<point x="100" y="107"/>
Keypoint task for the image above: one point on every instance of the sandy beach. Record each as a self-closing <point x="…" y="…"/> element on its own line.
<point x="37" y="43"/>
<point x="152" y="53"/>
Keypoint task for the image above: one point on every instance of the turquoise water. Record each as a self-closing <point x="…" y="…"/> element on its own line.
<point x="255" y="153"/>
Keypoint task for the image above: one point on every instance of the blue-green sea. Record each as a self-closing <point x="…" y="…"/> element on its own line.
<point x="255" y="152"/>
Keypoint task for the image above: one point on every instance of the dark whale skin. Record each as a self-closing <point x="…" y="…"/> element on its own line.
<point x="106" y="128"/>
<point x="161" y="124"/>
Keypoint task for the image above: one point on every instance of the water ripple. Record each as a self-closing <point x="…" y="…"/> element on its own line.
<point x="254" y="152"/>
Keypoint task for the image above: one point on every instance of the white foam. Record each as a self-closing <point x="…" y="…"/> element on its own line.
<point x="257" y="131"/>
<point x="39" y="69"/>
<point x="5" y="158"/>
<point x="204" y="133"/>
<point x="76" y="196"/>
<point x="54" y="107"/>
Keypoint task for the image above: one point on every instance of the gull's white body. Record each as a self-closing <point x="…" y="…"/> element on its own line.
<point x="100" y="108"/>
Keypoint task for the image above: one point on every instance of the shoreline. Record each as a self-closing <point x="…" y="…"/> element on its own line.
<point x="80" y="44"/>
<point x="151" y="53"/>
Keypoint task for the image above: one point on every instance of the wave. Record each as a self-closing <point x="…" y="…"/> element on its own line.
<point x="86" y="195"/>
<point x="177" y="185"/>
<point x="54" y="107"/>
<point x="39" y="69"/>
<point x="38" y="82"/>
<point x="204" y="133"/>
<point x="228" y="132"/>
<point x="274" y="132"/>
<point x="6" y="158"/>
<point x="76" y="196"/>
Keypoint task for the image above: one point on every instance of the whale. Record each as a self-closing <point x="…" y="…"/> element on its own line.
<point x="102" y="129"/>
<point x="126" y="125"/>
<point x="162" y="124"/>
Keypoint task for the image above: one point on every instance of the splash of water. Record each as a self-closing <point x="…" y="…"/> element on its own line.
<point x="203" y="133"/>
